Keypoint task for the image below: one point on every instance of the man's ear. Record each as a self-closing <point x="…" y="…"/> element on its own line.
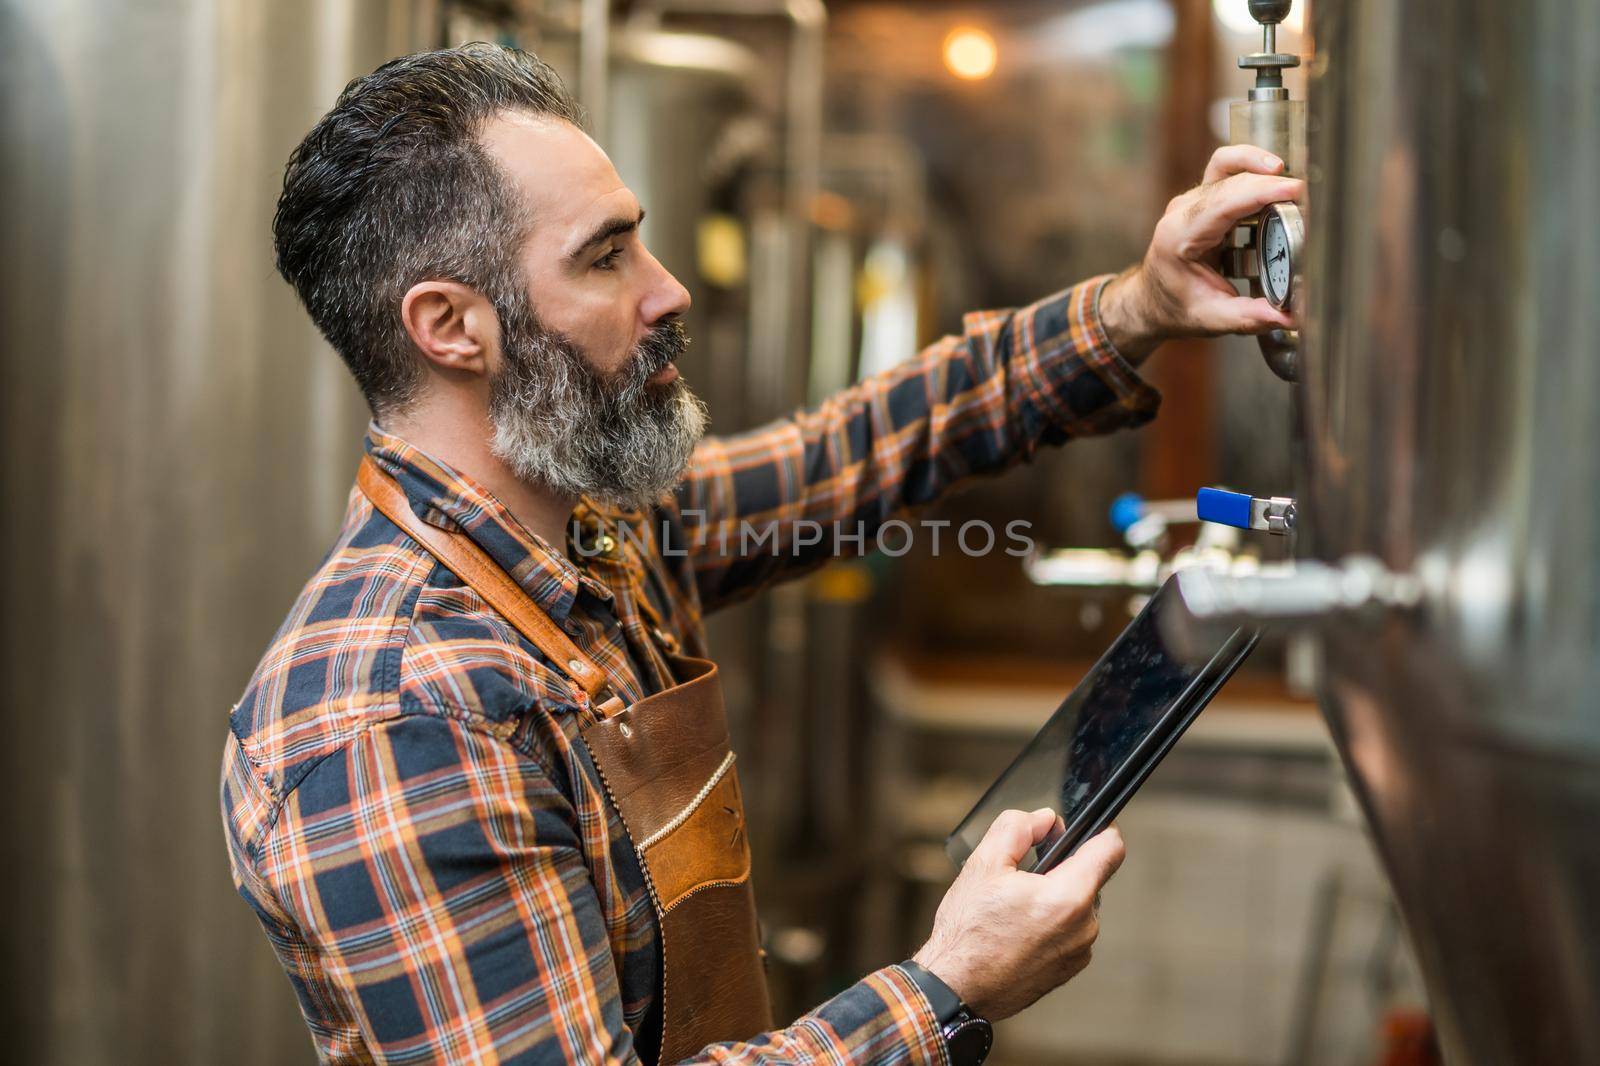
<point x="453" y="325"/>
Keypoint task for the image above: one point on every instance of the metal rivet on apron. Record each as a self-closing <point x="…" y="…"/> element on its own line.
<point x="626" y="730"/>
<point x="577" y="666"/>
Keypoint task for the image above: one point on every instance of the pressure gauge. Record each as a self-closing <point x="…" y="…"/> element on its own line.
<point x="1280" y="246"/>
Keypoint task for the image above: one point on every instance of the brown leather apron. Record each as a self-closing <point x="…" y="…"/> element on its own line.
<point x="669" y="772"/>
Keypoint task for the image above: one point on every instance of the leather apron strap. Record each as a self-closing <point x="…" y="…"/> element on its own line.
<point x="668" y="770"/>
<point x="463" y="558"/>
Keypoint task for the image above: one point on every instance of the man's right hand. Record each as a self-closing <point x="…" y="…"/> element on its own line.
<point x="1003" y="937"/>
<point x="1178" y="289"/>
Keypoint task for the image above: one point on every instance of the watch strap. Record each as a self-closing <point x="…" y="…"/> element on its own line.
<point x="946" y="1005"/>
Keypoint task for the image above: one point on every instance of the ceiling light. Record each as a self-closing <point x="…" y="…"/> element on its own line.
<point x="970" y="53"/>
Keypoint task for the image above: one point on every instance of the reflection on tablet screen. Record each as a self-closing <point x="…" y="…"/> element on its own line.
<point x="1094" y="732"/>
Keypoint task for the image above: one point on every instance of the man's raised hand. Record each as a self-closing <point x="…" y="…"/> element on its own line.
<point x="1178" y="289"/>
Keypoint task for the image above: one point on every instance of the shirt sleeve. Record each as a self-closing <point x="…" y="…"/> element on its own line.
<point x="778" y="501"/>
<point x="437" y="872"/>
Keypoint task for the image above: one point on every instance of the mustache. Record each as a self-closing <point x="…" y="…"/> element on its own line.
<point x="665" y="343"/>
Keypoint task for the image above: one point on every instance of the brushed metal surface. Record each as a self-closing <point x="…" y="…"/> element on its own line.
<point x="177" y="446"/>
<point x="1452" y="397"/>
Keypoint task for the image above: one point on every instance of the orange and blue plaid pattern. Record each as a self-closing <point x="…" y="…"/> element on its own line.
<point x="408" y="808"/>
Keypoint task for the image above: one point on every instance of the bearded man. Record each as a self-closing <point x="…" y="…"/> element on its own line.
<point x="479" y="791"/>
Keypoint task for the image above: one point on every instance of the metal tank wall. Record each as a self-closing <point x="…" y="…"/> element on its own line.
<point x="177" y="446"/>
<point x="1451" y="407"/>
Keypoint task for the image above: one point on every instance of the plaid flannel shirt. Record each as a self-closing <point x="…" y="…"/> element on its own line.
<point x="408" y="810"/>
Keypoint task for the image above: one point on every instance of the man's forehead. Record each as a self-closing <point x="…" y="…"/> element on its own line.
<point x="564" y="177"/>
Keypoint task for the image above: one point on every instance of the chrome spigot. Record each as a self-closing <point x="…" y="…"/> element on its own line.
<point x="1301" y="591"/>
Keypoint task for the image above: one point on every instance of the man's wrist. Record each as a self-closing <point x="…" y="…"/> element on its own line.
<point x="967" y="1036"/>
<point x="1125" y="318"/>
<point x="942" y="999"/>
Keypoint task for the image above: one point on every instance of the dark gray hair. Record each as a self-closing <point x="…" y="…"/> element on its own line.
<point x="393" y="187"/>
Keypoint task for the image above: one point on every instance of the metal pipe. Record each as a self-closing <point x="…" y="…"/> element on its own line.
<point x="594" y="69"/>
<point x="804" y="93"/>
<point x="802" y="147"/>
<point x="893" y="159"/>
<point x="1302" y="592"/>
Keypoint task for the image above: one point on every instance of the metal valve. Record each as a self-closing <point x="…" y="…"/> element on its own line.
<point x="1269" y="63"/>
<point x="1269" y="119"/>
<point x="1270" y="12"/>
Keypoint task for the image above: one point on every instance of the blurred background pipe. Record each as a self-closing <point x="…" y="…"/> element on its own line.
<point x="594" y="67"/>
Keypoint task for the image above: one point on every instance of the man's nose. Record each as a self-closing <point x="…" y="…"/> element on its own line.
<point x="666" y="297"/>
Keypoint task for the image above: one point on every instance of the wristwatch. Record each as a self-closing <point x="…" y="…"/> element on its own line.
<point x="967" y="1037"/>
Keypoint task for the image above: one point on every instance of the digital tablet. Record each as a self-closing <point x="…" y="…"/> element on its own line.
<point x="1109" y="734"/>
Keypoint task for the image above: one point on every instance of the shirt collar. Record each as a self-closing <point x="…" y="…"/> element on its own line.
<point x="447" y="498"/>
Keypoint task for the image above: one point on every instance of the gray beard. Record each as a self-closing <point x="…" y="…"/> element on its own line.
<point x="560" y="424"/>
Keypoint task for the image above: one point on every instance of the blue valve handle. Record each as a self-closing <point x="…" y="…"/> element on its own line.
<point x="1272" y="514"/>
<point x="1224" y="507"/>
<point x="1126" y="510"/>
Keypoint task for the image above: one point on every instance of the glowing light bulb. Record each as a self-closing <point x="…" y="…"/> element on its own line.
<point x="970" y="53"/>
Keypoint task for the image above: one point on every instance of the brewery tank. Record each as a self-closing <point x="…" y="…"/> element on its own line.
<point x="1449" y="404"/>
<point x="176" y="447"/>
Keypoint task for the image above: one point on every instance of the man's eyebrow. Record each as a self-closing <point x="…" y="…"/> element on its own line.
<point x="611" y="227"/>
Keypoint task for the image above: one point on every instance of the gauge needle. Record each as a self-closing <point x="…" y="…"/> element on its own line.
<point x="1277" y="257"/>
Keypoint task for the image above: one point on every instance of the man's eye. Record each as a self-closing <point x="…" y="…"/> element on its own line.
<point x="609" y="260"/>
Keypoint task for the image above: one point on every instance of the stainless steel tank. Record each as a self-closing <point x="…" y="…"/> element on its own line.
<point x="1450" y="410"/>
<point x="177" y="445"/>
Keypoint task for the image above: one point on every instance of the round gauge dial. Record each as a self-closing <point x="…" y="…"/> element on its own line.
<point x="1280" y="238"/>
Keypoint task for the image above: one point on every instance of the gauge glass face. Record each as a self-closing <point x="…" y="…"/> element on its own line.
<point x="1277" y="260"/>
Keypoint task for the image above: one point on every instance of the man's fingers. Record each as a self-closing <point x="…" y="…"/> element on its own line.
<point x="1241" y="314"/>
<point x="1011" y="835"/>
<point x="1041" y="823"/>
<point x="1233" y="159"/>
<point x="1091" y="866"/>
<point x="1106" y="852"/>
<point x="1222" y="206"/>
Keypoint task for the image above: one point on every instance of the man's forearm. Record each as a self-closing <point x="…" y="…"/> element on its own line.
<point x="776" y="502"/>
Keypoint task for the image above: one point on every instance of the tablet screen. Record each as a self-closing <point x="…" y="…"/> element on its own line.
<point x="1096" y="730"/>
